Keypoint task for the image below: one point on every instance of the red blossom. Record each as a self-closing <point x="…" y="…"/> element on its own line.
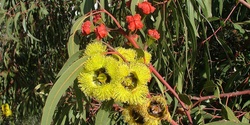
<point x="101" y="31"/>
<point x="86" y="28"/>
<point x="134" y="22"/>
<point x="146" y="7"/>
<point x="153" y="33"/>
<point x="96" y="18"/>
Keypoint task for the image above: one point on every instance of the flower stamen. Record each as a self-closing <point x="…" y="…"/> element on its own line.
<point x="102" y="77"/>
<point x="156" y="109"/>
<point x="138" y="118"/>
<point x="130" y="82"/>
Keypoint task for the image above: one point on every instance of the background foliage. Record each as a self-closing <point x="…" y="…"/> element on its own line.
<point x="36" y="43"/>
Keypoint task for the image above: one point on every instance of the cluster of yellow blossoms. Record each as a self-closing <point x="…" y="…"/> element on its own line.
<point x="149" y="113"/>
<point x="6" y="111"/>
<point x="121" y="76"/>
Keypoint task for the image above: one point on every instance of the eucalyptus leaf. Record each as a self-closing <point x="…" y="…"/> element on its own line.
<point x="226" y="123"/>
<point x="59" y="88"/>
<point x="228" y="114"/>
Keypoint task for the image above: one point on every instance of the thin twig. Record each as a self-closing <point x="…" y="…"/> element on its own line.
<point x="228" y="95"/>
<point x="214" y="33"/>
<point x="244" y="3"/>
<point x="172" y="122"/>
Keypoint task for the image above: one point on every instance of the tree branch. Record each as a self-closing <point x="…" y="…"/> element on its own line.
<point x="244" y="3"/>
<point x="228" y="95"/>
<point x="214" y="34"/>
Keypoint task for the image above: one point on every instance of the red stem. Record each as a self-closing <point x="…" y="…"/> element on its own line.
<point x="228" y="95"/>
<point x="214" y="34"/>
<point x="244" y="3"/>
<point x="172" y="122"/>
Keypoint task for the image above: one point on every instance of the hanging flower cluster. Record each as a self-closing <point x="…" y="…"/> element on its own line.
<point x="135" y="23"/>
<point x="149" y="113"/>
<point x="97" y="26"/>
<point x="120" y="75"/>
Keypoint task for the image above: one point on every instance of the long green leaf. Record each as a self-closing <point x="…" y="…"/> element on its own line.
<point x="226" y="123"/>
<point x="102" y="117"/>
<point x="72" y="59"/>
<point x="191" y="15"/>
<point x="9" y="26"/>
<point x="228" y="114"/>
<point x="59" y="88"/>
<point x="73" y="43"/>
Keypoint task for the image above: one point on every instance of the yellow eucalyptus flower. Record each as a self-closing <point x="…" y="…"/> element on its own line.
<point x="6" y="110"/>
<point x="136" y="115"/>
<point x="136" y="95"/>
<point x="141" y="71"/>
<point x="157" y="108"/>
<point x="94" y="62"/>
<point x="150" y="113"/>
<point x="86" y="82"/>
<point x="95" y="47"/>
<point x="128" y="54"/>
<point x="132" y="87"/>
<point x="133" y="116"/>
<point x="98" y="77"/>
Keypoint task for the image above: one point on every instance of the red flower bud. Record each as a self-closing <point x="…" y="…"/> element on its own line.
<point x="86" y="28"/>
<point x="101" y="31"/>
<point x="153" y="33"/>
<point x="146" y="7"/>
<point x="134" y="22"/>
<point x="96" y="18"/>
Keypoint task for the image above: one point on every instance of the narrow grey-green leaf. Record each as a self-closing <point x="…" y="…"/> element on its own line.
<point x="160" y="85"/>
<point x="246" y="104"/>
<point x="228" y="114"/>
<point x="72" y="59"/>
<point x="59" y="88"/>
<point x="32" y="37"/>
<point x="16" y="19"/>
<point x="185" y="99"/>
<point x="9" y="29"/>
<point x="102" y="117"/>
<point x="224" y="122"/>
<point x="73" y="45"/>
<point x="23" y="7"/>
<point x="24" y="25"/>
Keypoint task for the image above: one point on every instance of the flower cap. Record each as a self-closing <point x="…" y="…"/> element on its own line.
<point x="101" y="31"/>
<point x="146" y="7"/>
<point x="134" y="22"/>
<point x="86" y="28"/>
<point x="153" y="33"/>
